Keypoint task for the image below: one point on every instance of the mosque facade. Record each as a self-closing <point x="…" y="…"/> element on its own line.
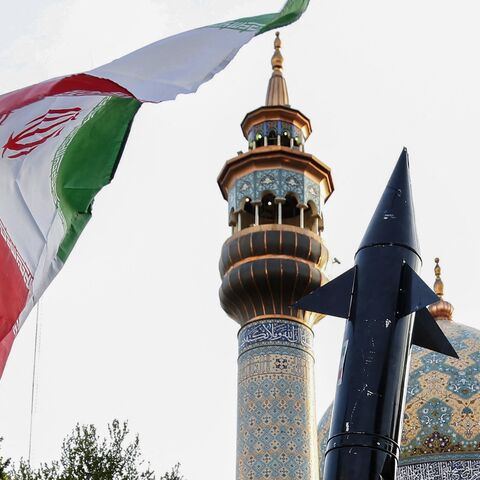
<point x="276" y="193"/>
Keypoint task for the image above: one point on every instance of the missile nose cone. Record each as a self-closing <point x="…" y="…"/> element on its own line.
<point x="394" y="219"/>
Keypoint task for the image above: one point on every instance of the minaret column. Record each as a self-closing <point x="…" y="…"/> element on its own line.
<point x="272" y="259"/>
<point x="265" y="269"/>
<point x="276" y="401"/>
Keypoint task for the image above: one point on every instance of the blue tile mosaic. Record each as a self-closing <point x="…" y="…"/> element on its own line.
<point x="276" y="411"/>
<point x="280" y="182"/>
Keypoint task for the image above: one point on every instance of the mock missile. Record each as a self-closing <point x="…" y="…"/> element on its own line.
<point x="385" y="304"/>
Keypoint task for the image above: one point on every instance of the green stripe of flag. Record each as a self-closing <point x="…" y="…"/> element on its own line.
<point x="89" y="163"/>
<point x="290" y="12"/>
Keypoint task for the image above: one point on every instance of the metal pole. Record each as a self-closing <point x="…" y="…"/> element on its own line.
<point x="34" y="381"/>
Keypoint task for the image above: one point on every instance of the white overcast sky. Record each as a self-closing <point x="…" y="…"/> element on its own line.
<point x="132" y="328"/>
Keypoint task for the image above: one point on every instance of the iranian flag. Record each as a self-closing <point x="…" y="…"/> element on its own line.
<point x="61" y="141"/>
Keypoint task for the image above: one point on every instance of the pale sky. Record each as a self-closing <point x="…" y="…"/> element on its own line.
<point x="132" y="327"/>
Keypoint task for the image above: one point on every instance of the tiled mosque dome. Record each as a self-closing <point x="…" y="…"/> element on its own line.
<point x="441" y="427"/>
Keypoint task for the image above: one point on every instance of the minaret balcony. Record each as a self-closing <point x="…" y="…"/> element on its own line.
<point x="275" y="170"/>
<point x="266" y="268"/>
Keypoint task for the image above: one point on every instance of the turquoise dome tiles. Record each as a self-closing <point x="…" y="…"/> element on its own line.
<point x="280" y="182"/>
<point x="323" y="431"/>
<point x="442" y="414"/>
<point x="441" y="427"/>
<point x="276" y="414"/>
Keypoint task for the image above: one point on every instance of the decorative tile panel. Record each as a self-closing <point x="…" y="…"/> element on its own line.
<point x="276" y="405"/>
<point x="323" y="433"/>
<point x="267" y="181"/>
<point x="275" y="332"/>
<point x="231" y="199"/>
<point x="280" y="182"/>
<point x="293" y="182"/>
<point x="456" y="470"/>
<point x="245" y="187"/>
<point x="312" y="191"/>
<point x="442" y="415"/>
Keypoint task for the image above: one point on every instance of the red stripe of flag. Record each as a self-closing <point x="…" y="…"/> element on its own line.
<point x="82" y="82"/>
<point x="5" y="347"/>
<point x="13" y="290"/>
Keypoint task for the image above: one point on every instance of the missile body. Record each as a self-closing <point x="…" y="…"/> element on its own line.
<point x="379" y="297"/>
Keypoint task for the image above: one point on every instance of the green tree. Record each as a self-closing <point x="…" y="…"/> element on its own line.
<point x="4" y="466"/>
<point x="87" y="456"/>
<point x="173" y="475"/>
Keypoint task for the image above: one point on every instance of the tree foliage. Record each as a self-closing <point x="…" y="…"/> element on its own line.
<point x="87" y="456"/>
<point x="174" y="474"/>
<point x="4" y="466"/>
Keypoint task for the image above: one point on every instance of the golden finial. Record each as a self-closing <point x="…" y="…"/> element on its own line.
<point x="277" y="58"/>
<point x="277" y="93"/>
<point x="440" y="310"/>
<point x="438" y="285"/>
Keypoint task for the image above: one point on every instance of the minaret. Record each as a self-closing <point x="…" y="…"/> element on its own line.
<point x="275" y="255"/>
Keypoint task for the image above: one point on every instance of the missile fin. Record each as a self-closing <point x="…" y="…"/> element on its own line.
<point x="334" y="298"/>
<point x="415" y="293"/>
<point x="427" y="334"/>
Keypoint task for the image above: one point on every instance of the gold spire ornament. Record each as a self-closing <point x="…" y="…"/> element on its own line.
<point x="441" y="310"/>
<point x="277" y="93"/>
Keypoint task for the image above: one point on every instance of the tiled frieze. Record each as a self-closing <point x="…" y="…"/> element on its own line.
<point x="276" y="413"/>
<point x="272" y="332"/>
<point x="455" y="470"/>
<point x="279" y="182"/>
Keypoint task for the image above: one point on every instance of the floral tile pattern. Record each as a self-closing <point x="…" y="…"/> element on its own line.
<point x="276" y="413"/>
<point x="280" y="182"/>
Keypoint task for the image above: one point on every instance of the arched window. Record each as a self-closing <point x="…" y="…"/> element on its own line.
<point x="285" y="138"/>
<point x="290" y="212"/>
<point x="259" y="141"/>
<point x="247" y="205"/>
<point x="272" y="137"/>
<point x="290" y="209"/>
<point x="248" y="213"/>
<point x="267" y="209"/>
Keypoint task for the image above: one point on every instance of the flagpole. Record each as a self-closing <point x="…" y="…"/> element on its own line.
<point x="34" y="380"/>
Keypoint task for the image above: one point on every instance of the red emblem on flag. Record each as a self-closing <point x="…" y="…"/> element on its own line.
<point x="3" y="117"/>
<point x="38" y="131"/>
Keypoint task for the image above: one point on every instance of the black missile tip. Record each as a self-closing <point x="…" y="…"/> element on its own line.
<point x="393" y="222"/>
<point x="404" y="157"/>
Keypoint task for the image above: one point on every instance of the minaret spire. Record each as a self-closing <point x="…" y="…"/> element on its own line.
<point x="277" y="93"/>
<point x="441" y="310"/>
